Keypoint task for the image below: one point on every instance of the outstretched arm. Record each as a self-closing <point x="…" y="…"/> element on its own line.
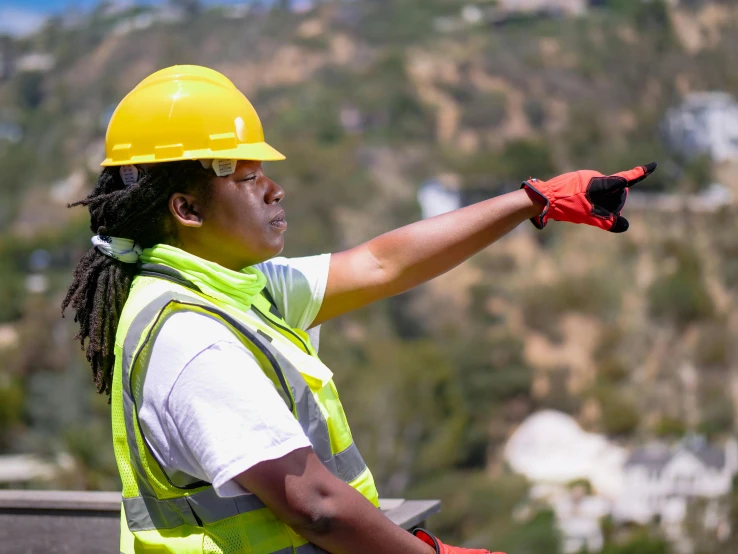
<point x="406" y="257"/>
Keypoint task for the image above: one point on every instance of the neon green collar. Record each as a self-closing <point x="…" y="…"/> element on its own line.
<point x="235" y="288"/>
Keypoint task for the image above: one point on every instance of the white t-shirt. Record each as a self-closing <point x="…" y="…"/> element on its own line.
<point x="208" y="410"/>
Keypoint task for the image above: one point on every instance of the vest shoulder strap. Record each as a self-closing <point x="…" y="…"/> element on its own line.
<point x="264" y="304"/>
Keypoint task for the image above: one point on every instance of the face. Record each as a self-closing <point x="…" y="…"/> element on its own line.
<point x="240" y="223"/>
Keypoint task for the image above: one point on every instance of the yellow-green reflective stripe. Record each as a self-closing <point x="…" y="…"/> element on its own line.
<point x="145" y="513"/>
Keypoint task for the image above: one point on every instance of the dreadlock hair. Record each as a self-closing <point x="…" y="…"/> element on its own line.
<point x="100" y="285"/>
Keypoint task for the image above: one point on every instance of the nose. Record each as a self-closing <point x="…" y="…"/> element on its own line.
<point x="273" y="193"/>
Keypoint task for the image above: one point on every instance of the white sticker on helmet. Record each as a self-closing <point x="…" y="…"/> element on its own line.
<point x="129" y="174"/>
<point x="223" y="168"/>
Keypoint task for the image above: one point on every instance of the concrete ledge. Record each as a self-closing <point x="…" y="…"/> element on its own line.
<point x="60" y="500"/>
<point x="409" y="513"/>
<point x="79" y="522"/>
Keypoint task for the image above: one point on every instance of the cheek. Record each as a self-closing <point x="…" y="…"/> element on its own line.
<point x="241" y="218"/>
<point x="233" y="209"/>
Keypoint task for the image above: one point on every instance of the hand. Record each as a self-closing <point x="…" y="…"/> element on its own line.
<point x="441" y="548"/>
<point x="587" y="197"/>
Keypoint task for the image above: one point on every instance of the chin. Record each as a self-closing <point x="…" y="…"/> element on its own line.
<point x="269" y="253"/>
<point x="277" y="250"/>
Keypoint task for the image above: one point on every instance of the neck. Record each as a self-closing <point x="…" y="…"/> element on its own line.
<point x="233" y="287"/>
<point x="216" y="254"/>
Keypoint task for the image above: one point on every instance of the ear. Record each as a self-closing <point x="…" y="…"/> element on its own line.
<point x="185" y="209"/>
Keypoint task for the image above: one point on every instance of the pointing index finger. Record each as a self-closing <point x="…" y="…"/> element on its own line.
<point x="637" y="174"/>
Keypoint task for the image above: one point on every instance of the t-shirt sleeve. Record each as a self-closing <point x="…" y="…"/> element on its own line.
<point x="226" y="416"/>
<point x="297" y="286"/>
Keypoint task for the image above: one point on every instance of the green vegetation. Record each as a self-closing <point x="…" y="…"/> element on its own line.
<point x="593" y="295"/>
<point x="368" y="99"/>
<point x="619" y="414"/>
<point x="641" y="543"/>
<point x="681" y="295"/>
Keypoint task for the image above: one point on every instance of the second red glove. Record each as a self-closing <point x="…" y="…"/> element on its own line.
<point x="441" y="548"/>
<point x="587" y="197"/>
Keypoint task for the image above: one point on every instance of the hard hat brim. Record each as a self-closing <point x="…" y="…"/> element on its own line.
<point x="258" y="151"/>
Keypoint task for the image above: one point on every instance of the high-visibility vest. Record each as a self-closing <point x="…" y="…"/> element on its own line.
<point x="178" y="513"/>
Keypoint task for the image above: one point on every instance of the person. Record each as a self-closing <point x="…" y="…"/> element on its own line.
<point x="228" y="431"/>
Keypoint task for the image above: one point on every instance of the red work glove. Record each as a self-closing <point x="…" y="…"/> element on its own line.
<point x="441" y="548"/>
<point x="587" y="197"/>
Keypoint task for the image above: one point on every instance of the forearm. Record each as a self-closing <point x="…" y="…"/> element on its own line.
<point x="301" y="492"/>
<point x="352" y="525"/>
<point x="418" y="252"/>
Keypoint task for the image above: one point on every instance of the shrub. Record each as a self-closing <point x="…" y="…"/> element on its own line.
<point x="642" y="542"/>
<point x="619" y="414"/>
<point x="483" y="110"/>
<point x="11" y="407"/>
<point x="670" y="427"/>
<point x="699" y="173"/>
<point x="713" y="345"/>
<point x="29" y="89"/>
<point x="681" y="296"/>
<point x="587" y="294"/>
<point x="716" y="409"/>
<point x="528" y="158"/>
<point x="535" y="111"/>
<point x="538" y="535"/>
<point x="474" y="505"/>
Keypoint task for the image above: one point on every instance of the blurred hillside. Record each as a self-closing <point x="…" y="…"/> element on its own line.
<point x="633" y="335"/>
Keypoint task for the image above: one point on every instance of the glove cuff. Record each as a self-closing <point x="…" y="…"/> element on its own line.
<point x="427" y="538"/>
<point x="541" y="219"/>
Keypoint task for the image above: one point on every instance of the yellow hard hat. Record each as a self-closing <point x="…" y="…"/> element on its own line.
<point x="185" y="112"/>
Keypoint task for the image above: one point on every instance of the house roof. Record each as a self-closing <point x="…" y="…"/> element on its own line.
<point x="656" y="455"/>
<point x="709" y="455"/>
<point x="652" y="456"/>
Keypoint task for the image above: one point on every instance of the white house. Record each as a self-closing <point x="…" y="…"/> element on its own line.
<point x="35" y="61"/>
<point x="10" y="132"/>
<point x="552" y="451"/>
<point x="438" y="196"/>
<point x="16" y="469"/>
<point x="578" y="519"/>
<point x="656" y="481"/>
<point x="659" y="480"/>
<point x="551" y="447"/>
<point x="554" y="7"/>
<point x="705" y="123"/>
<point x="712" y="199"/>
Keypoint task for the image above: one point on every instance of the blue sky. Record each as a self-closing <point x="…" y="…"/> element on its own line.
<point x="47" y="6"/>
<point x="23" y="17"/>
<point x="19" y="18"/>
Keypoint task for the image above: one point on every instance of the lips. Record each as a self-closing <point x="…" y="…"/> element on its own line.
<point x="278" y="221"/>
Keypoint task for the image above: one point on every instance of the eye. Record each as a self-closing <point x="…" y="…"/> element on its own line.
<point x="251" y="177"/>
